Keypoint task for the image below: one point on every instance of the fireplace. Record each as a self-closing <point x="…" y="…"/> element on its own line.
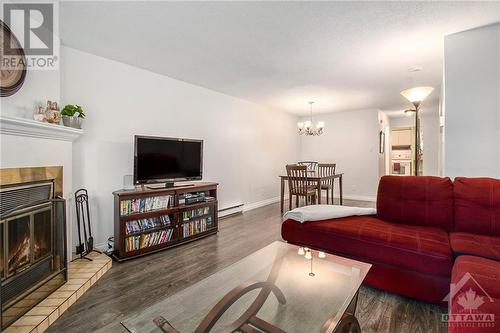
<point x="33" y="238"/>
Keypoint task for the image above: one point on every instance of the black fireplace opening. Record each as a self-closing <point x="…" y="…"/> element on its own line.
<point x="33" y="247"/>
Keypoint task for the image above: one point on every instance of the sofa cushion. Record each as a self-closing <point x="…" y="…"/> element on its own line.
<point x="421" y="249"/>
<point x="424" y="201"/>
<point x="485" y="283"/>
<point x="473" y="244"/>
<point x="477" y="205"/>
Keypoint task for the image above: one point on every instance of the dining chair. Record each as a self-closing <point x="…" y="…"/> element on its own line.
<point x="326" y="170"/>
<point x="312" y="166"/>
<point x="299" y="185"/>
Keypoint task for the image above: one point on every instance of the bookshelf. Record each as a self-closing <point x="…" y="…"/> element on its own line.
<point x="151" y="220"/>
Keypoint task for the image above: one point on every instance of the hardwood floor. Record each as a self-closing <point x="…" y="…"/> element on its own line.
<point x="131" y="286"/>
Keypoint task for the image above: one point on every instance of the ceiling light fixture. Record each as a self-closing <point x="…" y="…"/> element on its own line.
<point x="308" y="128"/>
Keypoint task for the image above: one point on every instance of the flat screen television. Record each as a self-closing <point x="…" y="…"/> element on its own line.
<point x="166" y="160"/>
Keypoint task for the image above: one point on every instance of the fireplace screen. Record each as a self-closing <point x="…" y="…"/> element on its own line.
<point x="19" y="243"/>
<point x="42" y="234"/>
<point x="33" y="248"/>
<point x="25" y="246"/>
<point x="1" y="250"/>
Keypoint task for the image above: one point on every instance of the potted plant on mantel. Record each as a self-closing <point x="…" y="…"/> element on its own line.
<point x="72" y="115"/>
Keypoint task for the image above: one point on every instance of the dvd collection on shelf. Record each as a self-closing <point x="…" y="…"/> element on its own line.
<point x="197" y="226"/>
<point x="190" y="198"/>
<point x="146" y="240"/>
<point x="189" y="214"/>
<point x="141" y="205"/>
<point x="144" y="225"/>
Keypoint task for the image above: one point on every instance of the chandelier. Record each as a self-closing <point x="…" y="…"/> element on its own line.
<point x="308" y="127"/>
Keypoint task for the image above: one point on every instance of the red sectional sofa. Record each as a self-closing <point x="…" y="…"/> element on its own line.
<point x="422" y="225"/>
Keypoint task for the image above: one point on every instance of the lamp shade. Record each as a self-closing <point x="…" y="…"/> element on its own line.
<point x="417" y="94"/>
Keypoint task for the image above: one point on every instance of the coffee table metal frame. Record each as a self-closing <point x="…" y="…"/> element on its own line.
<point x="248" y="322"/>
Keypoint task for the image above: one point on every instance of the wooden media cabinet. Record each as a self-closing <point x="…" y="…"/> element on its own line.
<point x="149" y="220"/>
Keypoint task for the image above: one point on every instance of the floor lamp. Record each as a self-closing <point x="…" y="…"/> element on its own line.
<point x="416" y="96"/>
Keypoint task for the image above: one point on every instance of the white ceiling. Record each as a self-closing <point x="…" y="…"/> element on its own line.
<point x="342" y="55"/>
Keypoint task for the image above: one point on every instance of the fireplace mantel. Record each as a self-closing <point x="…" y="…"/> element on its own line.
<point x="32" y="128"/>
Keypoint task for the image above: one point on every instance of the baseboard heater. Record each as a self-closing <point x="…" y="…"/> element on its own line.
<point x="229" y="211"/>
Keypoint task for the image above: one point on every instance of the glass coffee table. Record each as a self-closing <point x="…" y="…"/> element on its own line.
<point x="280" y="288"/>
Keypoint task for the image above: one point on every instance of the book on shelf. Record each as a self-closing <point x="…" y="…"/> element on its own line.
<point x="189" y="214"/>
<point x="147" y="224"/>
<point x="146" y="240"/>
<point x="141" y="205"/>
<point x="197" y="226"/>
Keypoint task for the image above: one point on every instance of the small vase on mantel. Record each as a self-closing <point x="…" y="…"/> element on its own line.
<point x="72" y="115"/>
<point x="72" y="121"/>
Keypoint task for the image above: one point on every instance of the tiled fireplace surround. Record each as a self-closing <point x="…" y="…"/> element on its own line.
<point x="26" y="143"/>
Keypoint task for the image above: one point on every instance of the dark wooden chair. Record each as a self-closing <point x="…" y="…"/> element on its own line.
<point x="312" y="166"/>
<point x="325" y="170"/>
<point x="299" y="185"/>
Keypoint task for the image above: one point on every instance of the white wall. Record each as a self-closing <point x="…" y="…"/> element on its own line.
<point x="39" y="86"/>
<point x="245" y="145"/>
<point x="350" y="139"/>
<point x="431" y="138"/>
<point x="472" y="102"/>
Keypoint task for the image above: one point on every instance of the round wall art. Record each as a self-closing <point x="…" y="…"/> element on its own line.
<point x="12" y="62"/>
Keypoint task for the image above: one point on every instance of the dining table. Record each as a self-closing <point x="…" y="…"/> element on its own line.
<point x="314" y="179"/>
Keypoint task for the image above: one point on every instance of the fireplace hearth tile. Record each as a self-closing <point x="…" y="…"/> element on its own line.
<point x="67" y="287"/>
<point x="63" y="307"/>
<point x="41" y="311"/>
<point x="29" y="321"/>
<point x="51" y="302"/>
<point x="81" y="276"/>
<point x="77" y="281"/>
<point x="72" y="275"/>
<point x="53" y="316"/>
<point x="61" y="294"/>
<point x="79" y="292"/>
<point x="20" y="329"/>
<point x="72" y="299"/>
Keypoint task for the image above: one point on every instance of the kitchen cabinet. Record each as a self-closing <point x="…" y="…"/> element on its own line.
<point x="401" y="137"/>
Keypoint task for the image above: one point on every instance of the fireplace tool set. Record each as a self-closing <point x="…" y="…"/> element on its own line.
<point x="85" y="244"/>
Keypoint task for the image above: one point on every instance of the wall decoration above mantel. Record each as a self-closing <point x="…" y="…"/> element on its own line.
<point x="12" y="75"/>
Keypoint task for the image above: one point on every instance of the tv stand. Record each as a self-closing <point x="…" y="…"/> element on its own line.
<point x="151" y="220"/>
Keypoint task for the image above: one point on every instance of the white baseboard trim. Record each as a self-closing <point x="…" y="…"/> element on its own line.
<point x="258" y="204"/>
<point x="237" y="209"/>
